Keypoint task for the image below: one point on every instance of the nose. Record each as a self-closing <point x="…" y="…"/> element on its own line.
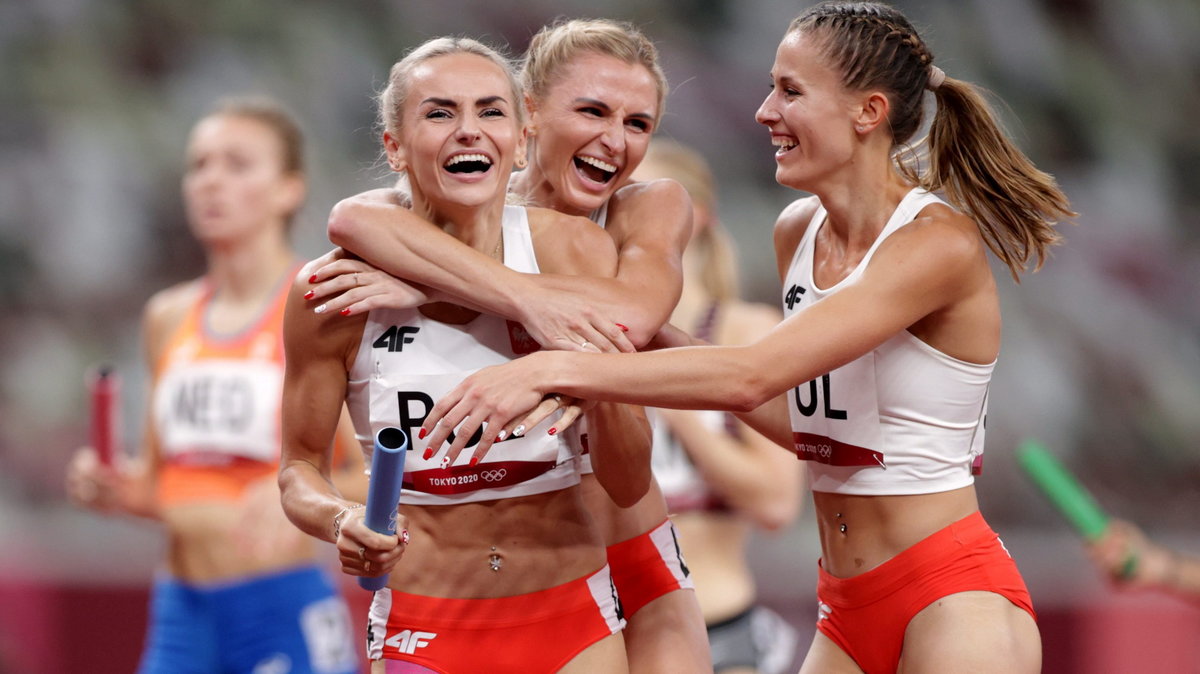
<point x="767" y="113"/>
<point x="613" y="138"/>
<point x="468" y="128"/>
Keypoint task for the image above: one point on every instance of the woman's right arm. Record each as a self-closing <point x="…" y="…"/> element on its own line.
<point x="320" y="350"/>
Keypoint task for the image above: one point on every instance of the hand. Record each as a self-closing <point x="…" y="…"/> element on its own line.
<point x="91" y="484"/>
<point x="364" y="552"/>
<point x="560" y="321"/>
<point x="502" y="399"/>
<point x="354" y="287"/>
<point x="1130" y="559"/>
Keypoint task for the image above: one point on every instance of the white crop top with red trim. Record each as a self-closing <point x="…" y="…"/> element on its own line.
<point x="406" y="362"/>
<point x="903" y="419"/>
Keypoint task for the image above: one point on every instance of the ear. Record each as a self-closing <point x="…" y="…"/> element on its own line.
<point x="395" y="153"/>
<point x="520" y="158"/>
<point x="872" y="111"/>
<point x="295" y="188"/>
<point x="531" y="114"/>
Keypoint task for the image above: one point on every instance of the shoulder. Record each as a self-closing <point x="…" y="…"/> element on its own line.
<point x="166" y="310"/>
<point x="652" y="211"/>
<point x="794" y="219"/>
<point x="940" y="249"/>
<point x="570" y="244"/>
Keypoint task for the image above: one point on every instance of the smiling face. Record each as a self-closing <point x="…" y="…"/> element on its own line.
<point x="458" y="132"/>
<point x="591" y="129"/>
<point x="234" y="183"/>
<point x="809" y="112"/>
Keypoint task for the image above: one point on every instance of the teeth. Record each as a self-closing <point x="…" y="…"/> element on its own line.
<point x="602" y="165"/>
<point x="459" y="158"/>
<point x="785" y="143"/>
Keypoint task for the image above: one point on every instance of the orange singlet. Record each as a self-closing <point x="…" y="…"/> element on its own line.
<point x="216" y="404"/>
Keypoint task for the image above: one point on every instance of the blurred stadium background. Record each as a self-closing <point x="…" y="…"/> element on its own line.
<point x="1101" y="356"/>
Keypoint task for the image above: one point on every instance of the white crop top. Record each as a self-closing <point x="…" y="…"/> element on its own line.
<point x="407" y="361"/>
<point x="903" y="419"/>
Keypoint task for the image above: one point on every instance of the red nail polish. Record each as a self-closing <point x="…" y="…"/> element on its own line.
<point x="474" y="460"/>
<point x="309" y="295"/>
<point x="345" y="312"/>
<point x="422" y="434"/>
<point x="428" y="453"/>
<point x="498" y="439"/>
<point x="312" y="279"/>
<point x="552" y="431"/>
<point x="624" y="328"/>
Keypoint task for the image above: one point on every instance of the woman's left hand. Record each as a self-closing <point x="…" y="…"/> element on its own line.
<point x="355" y="287"/>
<point x="504" y="400"/>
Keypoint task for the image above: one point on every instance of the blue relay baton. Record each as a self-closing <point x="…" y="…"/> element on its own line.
<point x="383" y="492"/>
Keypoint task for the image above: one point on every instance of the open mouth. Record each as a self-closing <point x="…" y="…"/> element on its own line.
<point x="595" y="169"/>
<point x="468" y="163"/>
<point x="783" y="145"/>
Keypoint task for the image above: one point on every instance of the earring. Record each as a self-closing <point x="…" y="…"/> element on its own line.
<point x="860" y="128"/>
<point x="520" y="162"/>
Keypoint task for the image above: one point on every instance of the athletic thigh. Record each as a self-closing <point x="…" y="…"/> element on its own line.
<point x="972" y="631"/>
<point x="668" y="635"/>
<point x="825" y="657"/>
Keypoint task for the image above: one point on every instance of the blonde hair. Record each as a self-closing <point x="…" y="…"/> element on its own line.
<point x="393" y="97"/>
<point x="711" y="248"/>
<point x="970" y="159"/>
<point x="557" y="44"/>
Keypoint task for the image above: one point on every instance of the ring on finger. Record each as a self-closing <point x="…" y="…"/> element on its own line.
<point x="356" y="281"/>
<point x="362" y="554"/>
<point x="585" y="345"/>
<point x="367" y="566"/>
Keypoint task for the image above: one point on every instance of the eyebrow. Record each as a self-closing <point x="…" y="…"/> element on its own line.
<point x="601" y="104"/>
<point x="450" y="103"/>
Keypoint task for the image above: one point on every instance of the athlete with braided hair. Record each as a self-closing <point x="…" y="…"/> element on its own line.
<point x="890" y="336"/>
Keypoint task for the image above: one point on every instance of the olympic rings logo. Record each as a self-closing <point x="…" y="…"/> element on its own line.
<point x="493" y="475"/>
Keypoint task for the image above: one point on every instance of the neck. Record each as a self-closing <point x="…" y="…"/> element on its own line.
<point x="861" y="199"/>
<point x="245" y="270"/>
<point x="533" y="186"/>
<point x="477" y="226"/>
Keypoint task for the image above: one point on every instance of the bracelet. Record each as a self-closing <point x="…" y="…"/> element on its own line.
<point x="337" y="519"/>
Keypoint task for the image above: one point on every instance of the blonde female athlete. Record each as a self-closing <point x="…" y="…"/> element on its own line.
<point x="241" y="589"/>
<point x="891" y="332"/>
<point x="504" y="570"/>
<point x="595" y="93"/>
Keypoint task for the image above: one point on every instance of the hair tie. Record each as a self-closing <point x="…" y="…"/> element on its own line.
<point x="936" y="77"/>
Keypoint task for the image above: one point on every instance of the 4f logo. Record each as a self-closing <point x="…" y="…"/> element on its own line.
<point x="394" y="338"/>
<point x="409" y="641"/>
<point x="793" y="296"/>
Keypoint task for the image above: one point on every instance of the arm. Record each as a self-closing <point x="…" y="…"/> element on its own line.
<point x="319" y="351"/>
<point x="650" y="223"/>
<point x="620" y="440"/>
<point x="926" y="267"/>
<point x="1158" y="567"/>
<point x="747" y="469"/>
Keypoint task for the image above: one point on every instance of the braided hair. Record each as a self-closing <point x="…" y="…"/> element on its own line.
<point x="970" y="159"/>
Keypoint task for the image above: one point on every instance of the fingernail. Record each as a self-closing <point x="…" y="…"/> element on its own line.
<point x="474" y="460"/>
<point x="624" y="328"/>
<point x="501" y="435"/>
<point x="309" y="295"/>
<point x="428" y="453"/>
<point x="312" y="279"/>
<point x="345" y="312"/>
<point x="319" y="310"/>
<point x="422" y="434"/>
<point x="552" y="431"/>
<point x="518" y="430"/>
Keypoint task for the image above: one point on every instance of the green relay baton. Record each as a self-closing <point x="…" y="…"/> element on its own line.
<point x="1065" y="492"/>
